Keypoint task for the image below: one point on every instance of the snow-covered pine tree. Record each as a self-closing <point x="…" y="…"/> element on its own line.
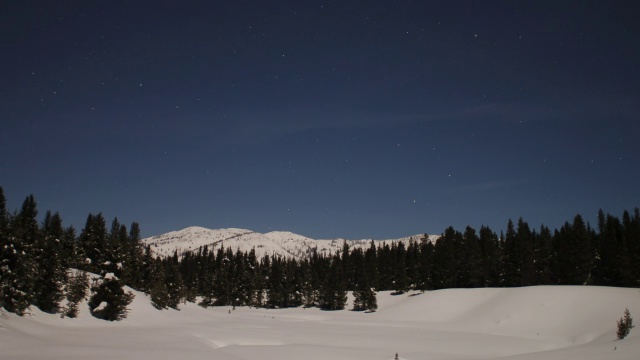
<point x="17" y="263"/>
<point x="76" y="291"/>
<point x="109" y="301"/>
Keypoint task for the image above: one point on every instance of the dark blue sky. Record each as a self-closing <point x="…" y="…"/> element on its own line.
<point x="359" y="119"/>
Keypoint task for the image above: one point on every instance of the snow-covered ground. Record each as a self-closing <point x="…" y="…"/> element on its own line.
<point x="283" y="243"/>
<point x="546" y="322"/>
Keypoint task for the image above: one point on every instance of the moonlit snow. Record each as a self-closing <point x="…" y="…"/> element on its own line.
<point x="283" y="243"/>
<point x="543" y="322"/>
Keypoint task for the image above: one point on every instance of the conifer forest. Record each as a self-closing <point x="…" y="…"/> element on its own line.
<point x="53" y="267"/>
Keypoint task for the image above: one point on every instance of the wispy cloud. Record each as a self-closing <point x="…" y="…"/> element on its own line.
<point x="265" y="125"/>
<point x="488" y="186"/>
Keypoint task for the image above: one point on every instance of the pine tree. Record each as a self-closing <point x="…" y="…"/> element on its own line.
<point x="365" y="299"/>
<point x="400" y="278"/>
<point x="413" y="262"/>
<point x="364" y="294"/>
<point x="109" y="300"/>
<point x="625" y="324"/>
<point x="309" y="289"/>
<point x="93" y="243"/>
<point x="157" y="290"/>
<point x="174" y="283"/>
<point x="425" y="265"/>
<point x="542" y="254"/>
<point x="276" y="292"/>
<point x="444" y="260"/>
<point x="384" y="267"/>
<point x="134" y="263"/>
<point x="255" y="283"/>
<point x="490" y="263"/>
<point x="76" y="291"/>
<point x="48" y="286"/>
<point x="574" y="256"/>
<point x="17" y="257"/>
<point x="525" y="244"/>
<point x="118" y="249"/>
<point x="6" y="255"/>
<point x="511" y="261"/>
<point x="332" y="294"/>
<point x="470" y="259"/>
<point x="371" y="265"/>
<point x="631" y="226"/>
<point x="188" y="268"/>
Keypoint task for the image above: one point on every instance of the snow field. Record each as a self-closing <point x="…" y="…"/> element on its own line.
<point x="545" y="322"/>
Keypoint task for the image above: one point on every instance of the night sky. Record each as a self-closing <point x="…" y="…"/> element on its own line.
<point x="356" y="119"/>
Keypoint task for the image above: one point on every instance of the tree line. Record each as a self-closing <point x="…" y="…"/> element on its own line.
<point x="47" y="265"/>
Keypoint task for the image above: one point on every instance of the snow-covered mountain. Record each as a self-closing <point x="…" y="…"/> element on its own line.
<point x="281" y="243"/>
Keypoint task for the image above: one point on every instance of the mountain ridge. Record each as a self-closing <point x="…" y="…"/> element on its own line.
<point x="280" y="243"/>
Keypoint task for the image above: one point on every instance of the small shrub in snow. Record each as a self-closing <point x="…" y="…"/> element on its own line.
<point x="625" y="324"/>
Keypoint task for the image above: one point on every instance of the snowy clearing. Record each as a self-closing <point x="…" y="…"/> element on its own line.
<point x="544" y="322"/>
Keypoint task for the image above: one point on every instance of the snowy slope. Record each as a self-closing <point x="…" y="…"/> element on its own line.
<point x="282" y="243"/>
<point x="533" y="323"/>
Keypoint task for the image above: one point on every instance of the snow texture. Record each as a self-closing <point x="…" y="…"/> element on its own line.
<point x="531" y="323"/>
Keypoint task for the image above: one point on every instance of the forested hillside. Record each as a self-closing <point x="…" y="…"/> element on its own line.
<point x="46" y="265"/>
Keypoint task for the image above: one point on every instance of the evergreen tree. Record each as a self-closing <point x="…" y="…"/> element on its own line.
<point x="425" y="265"/>
<point x="400" y="278"/>
<point x="412" y="260"/>
<point x="332" y="294"/>
<point x="276" y="291"/>
<point x="613" y="262"/>
<point x="238" y="280"/>
<point x="134" y="262"/>
<point x="371" y="265"/>
<point x="542" y="257"/>
<point x="309" y="289"/>
<point x="625" y="324"/>
<point x="631" y="226"/>
<point x="511" y="263"/>
<point x="19" y="267"/>
<point x="158" y="292"/>
<point x="6" y="256"/>
<point x="444" y="260"/>
<point x="525" y="242"/>
<point x="254" y="282"/>
<point x="93" y="243"/>
<point x="490" y="263"/>
<point x="76" y="291"/>
<point x="573" y="253"/>
<point x="469" y="259"/>
<point x="117" y="251"/>
<point x="188" y="267"/>
<point x="384" y="267"/>
<point x="173" y="279"/>
<point x="48" y="286"/>
<point x="364" y="294"/>
<point x="108" y="300"/>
